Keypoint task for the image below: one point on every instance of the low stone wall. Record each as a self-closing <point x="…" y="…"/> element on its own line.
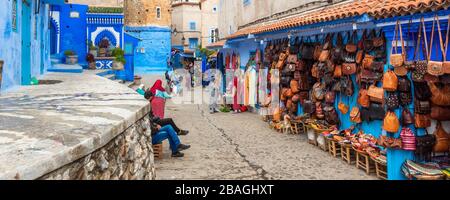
<point x="129" y="156"/>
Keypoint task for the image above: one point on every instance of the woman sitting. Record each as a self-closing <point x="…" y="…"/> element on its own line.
<point x="158" y="100"/>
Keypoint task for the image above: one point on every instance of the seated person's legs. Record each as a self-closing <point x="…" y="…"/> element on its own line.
<point x="169" y="121"/>
<point x="167" y="132"/>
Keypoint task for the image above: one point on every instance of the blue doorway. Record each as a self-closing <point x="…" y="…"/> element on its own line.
<point x="26" y="42"/>
<point x="53" y="38"/>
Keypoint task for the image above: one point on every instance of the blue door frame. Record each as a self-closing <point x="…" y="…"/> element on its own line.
<point x="26" y="42"/>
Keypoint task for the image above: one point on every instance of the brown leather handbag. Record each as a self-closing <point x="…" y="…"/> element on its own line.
<point x="440" y="113"/>
<point x="355" y="115"/>
<point x="407" y="117"/>
<point x="317" y="51"/>
<point x="331" y="115"/>
<point x="391" y="122"/>
<point x="351" y="46"/>
<point x="294" y="87"/>
<point x="289" y="93"/>
<point x="292" y="58"/>
<point x="390" y="81"/>
<point x="442" y="139"/>
<point x="435" y="68"/>
<point x="324" y="55"/>
<point x="348" y="68"/>
<point x="296" y="98"/>
<point x="360" y="56"/>
<point x="363" y="98"/>
<point x="319" y="111"/>
<point x="318" y="91"/>
<point x="315" y="70"/>
<point x="397" y="59"/>
<point x="379" y="41"/>
<point x="300" y="66"/>
<point x="337" y="71"/>
<point x="422" y="121"/>
<point x="440" y="96"/>
<point x="367" y="62"/>
<point x="422" y="107"/>
<point x="376" y="94"/>
<point x="280" y="64"/>
<point x="344" y="108"/>
<point x="330" y="97"/>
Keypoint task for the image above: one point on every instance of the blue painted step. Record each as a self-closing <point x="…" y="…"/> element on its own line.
<point x="63" y="68"/>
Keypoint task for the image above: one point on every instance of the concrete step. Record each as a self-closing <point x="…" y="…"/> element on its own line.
<point x="110" y="76"/>
<point x="63" y="68"/>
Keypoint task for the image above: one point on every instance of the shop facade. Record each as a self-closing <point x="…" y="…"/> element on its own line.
<point x="343" y="52"/>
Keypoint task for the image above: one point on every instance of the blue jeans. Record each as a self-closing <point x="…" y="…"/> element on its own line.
<point x="167" y="132"/>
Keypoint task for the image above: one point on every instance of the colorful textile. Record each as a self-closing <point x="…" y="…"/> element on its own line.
<point x="157" y="86"/>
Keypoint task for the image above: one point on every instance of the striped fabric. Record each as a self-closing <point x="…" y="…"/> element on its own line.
<point x="408" y="139"/>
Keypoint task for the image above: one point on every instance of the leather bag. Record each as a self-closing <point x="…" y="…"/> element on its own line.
<point x="422" y="121"/>
<point x="330" y="97"/>
<point x="294" y="87"/>
<point x="337" y="71"/>
<point x="319" y="111"/>
<point x="442" y="139"/>
<point x="435" y="68"/>
<point x="351" y="46"/>
<point x="440" y="113"/>
<point x="331" y="115"/>
<point x="319" y="91"/>
<point x="422" y="107"/>
<point x="309" y="107"/>
<point x="404" y="84"/>
<point x="355" y="115"/>
<point x="380" y="40"/>
<point x="363" y="98"/>
<point x="440" y="96"/>
<point x="390" y="81"/>
<point x="368" y="61"/>
<point x="422" y="91"/>
<point x="376" y="94"/>
<point x="407" y="117"/>
<point x="405" y="98"/>
<point x="398" y="59"/>
<point x="391" y="123"/>
<point x="376" y="112"/>
<point x="424" y="147"/>
<point x="344" y="108"/>
<point x="348" y="68"/>
<point x="392" y="101"/>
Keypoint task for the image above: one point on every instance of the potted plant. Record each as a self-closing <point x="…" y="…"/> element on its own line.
<point x="92" y="49"/>
<point x="119" y="61"/>
<point x="103" y="47"/>
<point x="91" y="61"/>
<point x="71" y="57"/>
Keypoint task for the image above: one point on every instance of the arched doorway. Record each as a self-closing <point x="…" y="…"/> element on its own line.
<point x="53" y="38"/>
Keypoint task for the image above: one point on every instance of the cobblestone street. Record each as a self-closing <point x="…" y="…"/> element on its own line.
<point x="241" y="146"/>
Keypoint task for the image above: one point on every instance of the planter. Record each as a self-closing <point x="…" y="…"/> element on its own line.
<point x="92" y="66"/>
<point x="72" y="60"/>
<point x="118" y="66"/>
<point x="102" y="52"/>
<point x="137" y="80"/>
<point x="93" y="52"/>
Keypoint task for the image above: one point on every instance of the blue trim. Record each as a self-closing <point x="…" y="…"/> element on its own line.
<point x="26" y="44"/>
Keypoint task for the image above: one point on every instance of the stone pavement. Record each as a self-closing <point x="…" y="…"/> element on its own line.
<point x="241" y="146"/>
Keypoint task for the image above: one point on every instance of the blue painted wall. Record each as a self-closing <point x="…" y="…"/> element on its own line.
<point x="10" y="40"/>
<point x="156" y="43"/>
<point x="109" y="21"/>
<point x="73" y="30"/>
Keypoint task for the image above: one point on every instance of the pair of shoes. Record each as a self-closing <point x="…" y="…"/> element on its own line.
<point x="183" y="132"/>
<point x="183" y="147"/>
<point x="177" y="155"/>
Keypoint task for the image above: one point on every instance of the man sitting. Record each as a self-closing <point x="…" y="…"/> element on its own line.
<point x="159" y="134"/>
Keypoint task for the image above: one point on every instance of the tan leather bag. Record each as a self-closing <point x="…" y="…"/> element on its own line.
<point x="337" y="71"/>
<point x="422" y="121"/>
<point x="390" y="81"/>
<point x="376" y="94"/>
<point x="344" y="108"/>
<point x="435" y="68"/>
<point x="355" y="115"/>
<point x="398" y="59"/>
<point x="324" y="55"/>
<point x="367" y="61"/>
<point x="391" y="122"/>
<point x="442" y="139"/>
<point x="294" y="86"/>
<point x="363" y="98"/>
<point x="440" y="97"/>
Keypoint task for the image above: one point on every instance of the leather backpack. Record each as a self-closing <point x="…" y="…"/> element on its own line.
<point x="424" y="147"/>
<point x="355" y="115"/>
<point x="440" y="113"/>
<point x="309" y="107"/>
<point x="390" y="81"/>
<point x="422" y="107"/>
<point x="422" y="121"/>
<point x="404" y="84"/>
<point x="391" y="123"/>
<point x="392" y="101"/>
<point x="407" y="117"/>
<point x="442" y="139"/>
<point x="363" y="98"/>
<point x="376" y="112"/>
<point x="440" y="96"/>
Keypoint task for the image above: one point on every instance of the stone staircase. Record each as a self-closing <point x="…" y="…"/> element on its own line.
<point x="109" y="74"/>
<point x="58" y="66"/>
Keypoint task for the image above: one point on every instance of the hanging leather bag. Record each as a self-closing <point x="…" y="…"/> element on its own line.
<point x="376" y="94"/>
<point x="435" y="68"/>
<point x="397" y="59"/>
<point x="420" y="67"/>
<point x="351" y="46"/>
<point x="309" y="107"/>
<point x="330" y="97"/>
<point x="349" y="88"/>
<point x="355" y="115"/>
<point x="424" y="147"/>
<point x="442" y="139"/>
<point x="337" y="71"/>
<point x="440" y="113"/>
<point x="325" y="53"/>
<point x="404" y="84"/>
<point x="422" y="121"/>
<point x="376" y="111"/>
<point x="440" y="96"/>
<point x="331" y="115"/>
<point x="422" y="107"/>
<point x="405" y="98"/>
<point x="422" y="91"/>
<point x="363" y="98"/>
<point x="368" y="61"/>
<point x="348" y="68"/>
<point x="307" y="50"/>
<point x="392" y="101"/>
<point x="294" y="86"/>
<point x="446" y="64"/>
<point x="368" y="41"/>
<point x="318" y="91"/>
<point x="318" y="48"/>
<point x="379" y="41"/>
<point x="344" y="108"/>
<point x="391" y="123"/>
<point x="337" y="52"/>
<point x="301" y="66"/>
<point x="319" y="111"/>
<point x="407" y="117"/>
<point x="390" y="81"/>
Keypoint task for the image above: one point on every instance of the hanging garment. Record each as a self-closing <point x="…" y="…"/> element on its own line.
<point x="235" y="94"/>
<point x="253" y="82"/>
